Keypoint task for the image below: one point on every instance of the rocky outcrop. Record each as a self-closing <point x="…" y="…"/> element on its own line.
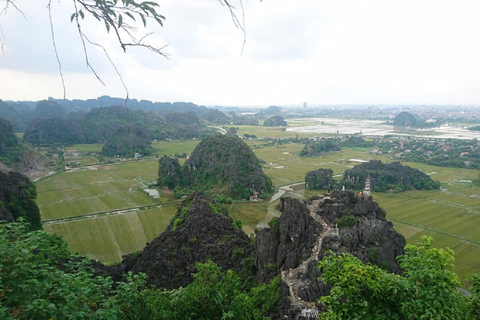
<point x="388" y="176"/>
<point x="288" y="241"/>
<point x="319" y="179"/>
<point x="201" y="230"/>
<point x="338" y="221"/>
<point x="17" y="199"/>
<point x="223" y="164"/>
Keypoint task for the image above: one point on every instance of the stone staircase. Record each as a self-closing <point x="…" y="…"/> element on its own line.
<point x="292" y="277"/>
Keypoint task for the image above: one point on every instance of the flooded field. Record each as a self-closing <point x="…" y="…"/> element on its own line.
<point x="332" y="126"/>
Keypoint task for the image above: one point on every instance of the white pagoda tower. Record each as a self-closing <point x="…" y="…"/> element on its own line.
<point x="366" y="191"/>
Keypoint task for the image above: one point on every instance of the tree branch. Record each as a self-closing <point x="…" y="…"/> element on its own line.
<point x="55" y="48"/>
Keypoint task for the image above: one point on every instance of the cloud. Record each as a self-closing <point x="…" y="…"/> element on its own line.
<point x="332" y="51"/>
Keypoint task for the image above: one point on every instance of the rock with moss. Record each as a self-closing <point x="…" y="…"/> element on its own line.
<point x="306" y="230"/>
<point x="321" y="179"/>
<point x="388" y="176"/>
<point x="275" y="121"/>
<point x="17" y="199"/>
<point x="222" y="164"/>
<point x="200" y="231"/>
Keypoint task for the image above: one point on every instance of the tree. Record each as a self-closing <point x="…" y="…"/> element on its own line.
<point x="40" y="279"/>
<point x="427" y="288"/>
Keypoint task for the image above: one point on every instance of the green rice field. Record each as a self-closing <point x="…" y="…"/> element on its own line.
<point x="451" y="215"/>
<point x="107" y="238"/>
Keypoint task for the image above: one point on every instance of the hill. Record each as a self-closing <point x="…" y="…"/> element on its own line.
<point x="54" y="130"/>
<point x="388" y="176"/>
<point x="406" y="119"/>
<point x="215" y="116"/>
<point x="99" y="124"/>
<point x="317" y="148"/>
<point x="220" y="164"/>
<point x="321" y="179"/>
<point x="125" y="143"/>
<point x="16" y="154"/>
<point x="306" y="231"/>
<point x="275" y="121"/>
<point x="201" y="230"/>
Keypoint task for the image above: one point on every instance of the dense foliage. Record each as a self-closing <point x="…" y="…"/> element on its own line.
<point x="125" y="143"/>
<point x="437" y="152"/>
<point x="40" y="279"/>
<point x="32" y="286"/>
<point x="320" y="179"/>
<point x="47" y="109"/>
<point x="215" y="116"/>
<point x="99" y="124"/>
<point x="53" y="130"/>
<point x="388" y="176"/>
<point x="317" y="148"/>
<point x="220" y="164"/>
<point x="12" y="149"/>
<point x="17" y="198"/>
<point x="427" y="288"/>
<point x="212" y="295"/>
<point x="275" y="121"/>
<point x="170" y="173"/>
<point x="226" y="162"/>
<point x="13" y="115"/>
<point x="356" y="142"/>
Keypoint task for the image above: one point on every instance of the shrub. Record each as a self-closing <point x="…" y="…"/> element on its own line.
<point x="347" y="221"/>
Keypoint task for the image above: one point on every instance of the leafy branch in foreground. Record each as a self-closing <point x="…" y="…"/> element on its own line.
<point x="427" y="288"/>
<point x="120" y="16"/>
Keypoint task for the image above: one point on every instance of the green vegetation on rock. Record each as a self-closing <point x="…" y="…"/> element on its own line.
<point x="319" y="179"/>
<point x="125" y="143"/>
<point x="275" y="121"/>
<point x="17" y="199"/>
<point x="318" y="148"/>
<point x="388" y="176"/>
<point x="426" y="289"/>
<point x="220" y="164"/>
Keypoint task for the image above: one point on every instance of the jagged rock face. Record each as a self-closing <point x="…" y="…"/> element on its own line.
<point x="319" y="179"/>
<point x="200" y="231"/>
<point x="289" y="243"/>
<point x="338" y="221"/>
<point x="371" y="239"/>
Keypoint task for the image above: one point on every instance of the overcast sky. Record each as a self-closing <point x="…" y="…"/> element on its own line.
<point x="314" y="51"/>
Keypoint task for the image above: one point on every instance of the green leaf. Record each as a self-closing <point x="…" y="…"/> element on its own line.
<point x="72" y="16"/>
<point x="130" y="15"/>
<point x="159" y="21"/>
<point x="107" y="25"/>
<point x="120" y="20"/>
<point x="143" y="20"/>
<point x="81" y="14"/>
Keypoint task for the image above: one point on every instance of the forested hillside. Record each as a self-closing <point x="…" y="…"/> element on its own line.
<point x="16" y="154"/>
<point x="17" y="199"/>
<point x="219" y="164"/>
<point x="388" y="176"/>
<point x="100" y="124"/>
